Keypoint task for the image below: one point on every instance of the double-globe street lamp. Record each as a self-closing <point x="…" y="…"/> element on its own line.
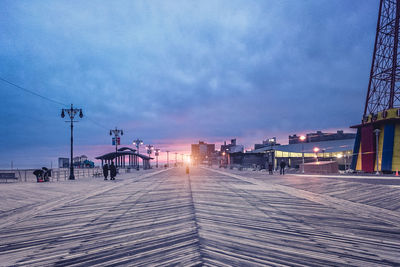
<point x="137" y="143"/>
<point x="149" y="149"/>
<point x="157" y="153"/>
<point x="116" y="140"/>
<point x="72" y="113"/>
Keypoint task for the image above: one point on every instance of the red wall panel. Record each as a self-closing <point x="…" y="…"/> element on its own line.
<point x="367" y="148"/>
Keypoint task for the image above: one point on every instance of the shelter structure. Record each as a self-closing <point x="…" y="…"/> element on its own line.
<point x="125" y="157"/>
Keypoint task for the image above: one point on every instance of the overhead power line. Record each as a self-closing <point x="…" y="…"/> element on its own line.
<point x="47" y="99"/>
<point x="32" y="92"/>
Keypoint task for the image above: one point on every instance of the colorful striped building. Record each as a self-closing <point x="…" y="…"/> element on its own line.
<point x="385" y="142"/>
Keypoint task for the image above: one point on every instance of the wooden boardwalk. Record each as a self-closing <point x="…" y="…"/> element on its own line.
<point x="211" y="218"/>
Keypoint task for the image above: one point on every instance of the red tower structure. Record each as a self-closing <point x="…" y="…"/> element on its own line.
<point x="377" y="145"/>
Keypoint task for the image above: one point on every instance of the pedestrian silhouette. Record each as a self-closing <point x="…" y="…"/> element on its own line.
<point x="105" y="171"/>
<point x="270" y="167"/>
<point x="282" y="165"/>
<point x="113" y="171"/>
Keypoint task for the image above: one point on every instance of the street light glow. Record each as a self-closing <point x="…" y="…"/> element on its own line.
<point x="302" y="138"/>
<point x="315" y="149"/>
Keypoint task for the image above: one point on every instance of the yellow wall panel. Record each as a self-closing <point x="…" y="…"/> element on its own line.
<point x="380" y="148"/>
<point x="359" y="166"/>
<point x="396" y="149"/>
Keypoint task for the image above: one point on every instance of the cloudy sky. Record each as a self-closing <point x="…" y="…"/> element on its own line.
<point x="175" y="72"/>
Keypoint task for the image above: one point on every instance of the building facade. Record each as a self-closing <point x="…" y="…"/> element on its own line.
<point x="320" y="136"/>
<point x="202" y="152"/>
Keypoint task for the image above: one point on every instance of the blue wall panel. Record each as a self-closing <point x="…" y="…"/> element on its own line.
<point x="388" y="142"/>
<point x="356" y="149"/>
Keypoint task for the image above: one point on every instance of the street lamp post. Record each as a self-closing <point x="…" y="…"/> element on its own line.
<point x="377" y="131"/>
<point x="137" y="143"/>
<point x="71" y="113"/>
<point x="157" y="153"/>
<point x="302" y="139"/>
<point x="167" y="159"/>
<point x="117" y="141"/>
<point x="149" y="150"/>
<point x="316" y="149"/>
<point x="176" y="159"/>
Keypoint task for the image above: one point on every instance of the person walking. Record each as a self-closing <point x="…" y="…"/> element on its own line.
<point x="105" y="171"/>
<point x="282" y="165"/>
<point x="113" y="171"/>
<point x="270" y="167"/>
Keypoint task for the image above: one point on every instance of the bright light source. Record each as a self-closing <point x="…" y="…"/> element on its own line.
<point x="302" y="138"/>
<point x="339" y="156"/>
<point x="315" y="149"/>
<point x="223" y="153"/>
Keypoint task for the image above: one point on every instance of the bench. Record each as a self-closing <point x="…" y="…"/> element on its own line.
<point x="8" y="176"/>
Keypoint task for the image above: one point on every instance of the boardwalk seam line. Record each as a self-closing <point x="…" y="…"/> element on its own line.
<point x="195" y="221"/>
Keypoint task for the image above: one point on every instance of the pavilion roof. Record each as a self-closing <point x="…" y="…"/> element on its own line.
<point x="113" y="155"/>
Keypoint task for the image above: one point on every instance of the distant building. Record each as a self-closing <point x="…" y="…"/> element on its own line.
<point x="202" y="152"/>
<point x="80" y="159"/>
<point x="320" y="137"/>
<point x="267" y="143"/>
<point x="232" y="147"/>
<point x="63" y="162"/>
<point x="335" y="150"/>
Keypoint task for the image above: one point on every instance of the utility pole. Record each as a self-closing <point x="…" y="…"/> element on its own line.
<point x="116" y="141"/>
<point x="71" y="113"/>
<point x="176" y="159"/>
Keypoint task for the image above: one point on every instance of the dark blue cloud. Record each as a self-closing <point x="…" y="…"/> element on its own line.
<point x="182" y="69"/>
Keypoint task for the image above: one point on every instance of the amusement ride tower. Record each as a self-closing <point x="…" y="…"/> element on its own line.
<point x="377" y="145"/>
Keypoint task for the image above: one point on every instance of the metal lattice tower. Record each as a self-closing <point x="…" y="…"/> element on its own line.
<point x="384" y="81"/>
